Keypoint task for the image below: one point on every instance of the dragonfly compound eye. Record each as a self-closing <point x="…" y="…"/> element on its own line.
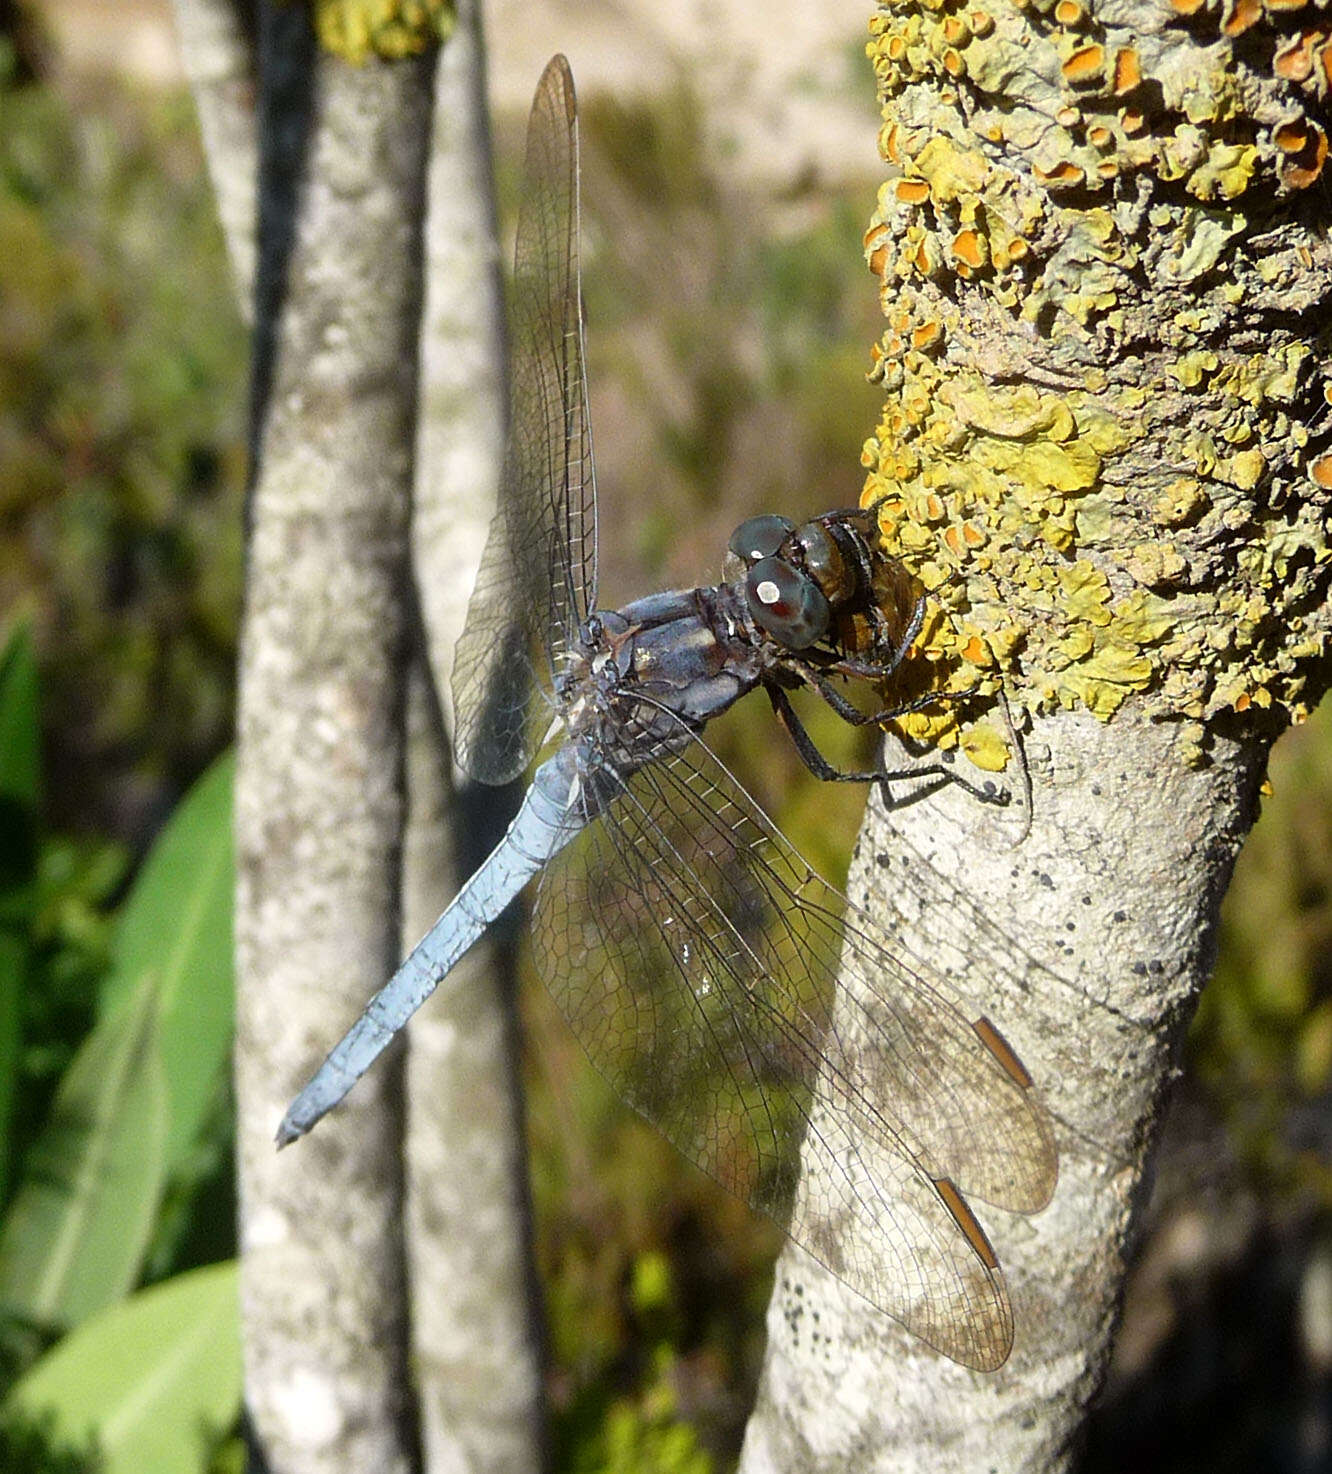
<point x="760" y="537"/>
<point x="786" y="604"/>
<point x="825" y="563"/>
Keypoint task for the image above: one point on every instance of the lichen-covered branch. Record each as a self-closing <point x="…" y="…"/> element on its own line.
<point x="1104" y="453"/>
<point x="1105" y="443"/>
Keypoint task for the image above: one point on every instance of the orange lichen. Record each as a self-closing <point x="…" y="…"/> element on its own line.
<point x="1293" y="61"/>
<point x="1290" y="138"/>
<point x="1127" y="70"/>
<point x="925" y="334"/>
<point x="1320" y="472"/>
<point x="1086" y="65"/>
<point x="975" y="651"/>
<point x="1303" y="167"/>
<point x="1068" y="12"/>
<point x="889" y="143"/>
<point x="969" y="248"/>
<point x="1239" y="15"/>
<point x="1062" y="176"/>
<point x="912" y="191"/>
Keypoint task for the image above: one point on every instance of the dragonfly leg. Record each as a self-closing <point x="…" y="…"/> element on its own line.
<point x="853" y="715"/>
<point x="894" y="651"/>
<point x="810" y="755"/>
<point x="814" y="760"/>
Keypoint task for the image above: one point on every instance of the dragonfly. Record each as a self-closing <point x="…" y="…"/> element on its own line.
<point x="692" y="950"/>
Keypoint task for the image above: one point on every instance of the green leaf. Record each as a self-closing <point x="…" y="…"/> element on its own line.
<point x="20" y="743"/>
<point x="74" y="1237"/>
<point x="14" y="952"/>
<point x="176" y="925"/>
<point x="155" y="1380"/>
<point x="20" y="788"/>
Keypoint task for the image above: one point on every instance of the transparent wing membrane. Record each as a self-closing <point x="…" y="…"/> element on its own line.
<point x="695" y="955"/>
<point x="537" y="580"/>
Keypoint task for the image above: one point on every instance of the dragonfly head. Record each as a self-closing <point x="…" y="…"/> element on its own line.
<point x="793" y="577"/>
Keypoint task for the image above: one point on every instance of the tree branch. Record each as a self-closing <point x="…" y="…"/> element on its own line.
<point x="1102" y="453"/>
<point x="474" y="1320"/>
<point x="218" y="54"/>
<point x="318" y="800"/>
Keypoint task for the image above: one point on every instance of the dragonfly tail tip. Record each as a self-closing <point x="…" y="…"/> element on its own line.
<point x="288" y="1132"/>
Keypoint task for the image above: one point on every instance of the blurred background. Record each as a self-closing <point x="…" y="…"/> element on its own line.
<point x="122" y="395"/>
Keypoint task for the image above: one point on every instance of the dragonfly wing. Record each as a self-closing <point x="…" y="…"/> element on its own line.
<point x="538" y="575"/>
<point x="695" y="954"/>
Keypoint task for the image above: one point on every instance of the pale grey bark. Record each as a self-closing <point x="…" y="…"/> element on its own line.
<point x="1113" y="898"/>
<point x="475" y="1349"/>
<point x="219" y="65"/>
<point x="318" y="792"/>
<point x="474" y="1333"/>
<point x="474" y="1341"/>
<point x="460" y="438"/>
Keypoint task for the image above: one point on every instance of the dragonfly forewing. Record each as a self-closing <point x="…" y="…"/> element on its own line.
<point x="538" y="576"/>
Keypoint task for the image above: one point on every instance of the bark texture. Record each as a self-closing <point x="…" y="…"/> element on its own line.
<point x="218" y="56"/>
<point x="1110" y="904"/>
<point x="474" y="1337"/>
<point x="319" y="802"/>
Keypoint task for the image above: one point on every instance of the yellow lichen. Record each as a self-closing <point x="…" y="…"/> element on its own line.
<point x="1108" y="539"/>
<point x="392" y="29"/>
<point x="985" y="746"/>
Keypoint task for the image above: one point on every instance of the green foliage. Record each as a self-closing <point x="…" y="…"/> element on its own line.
<point x="129" y="1108"/>
<point x="152" y="1382"/>
<point x="31" y="1445"/>
<point x="642" y="1433"/>
<point x="1262" y="1041"/>
<point x="130" y="1143"/>
<point x="73" y="1239"/>
<point x="121" y="441"/>
<point x="19" y="761"/>
<point x="121" y="460"/>
<point x="53" y="941"/>
<point x="176" y="930"/>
